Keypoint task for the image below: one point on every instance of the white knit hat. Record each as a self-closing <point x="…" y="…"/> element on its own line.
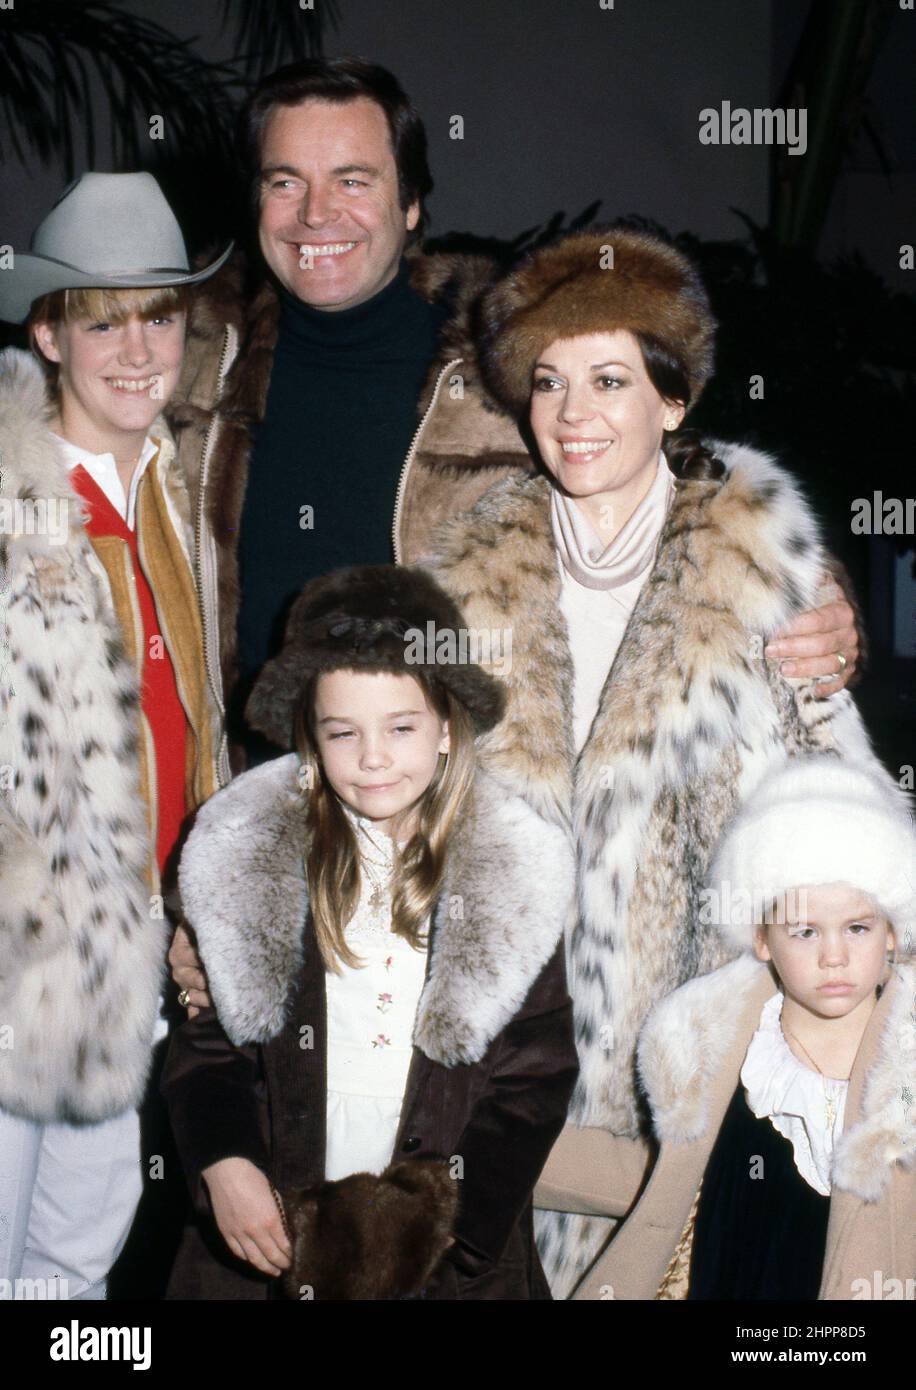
<point x="816" y="820"/>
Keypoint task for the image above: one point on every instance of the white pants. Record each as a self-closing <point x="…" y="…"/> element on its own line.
<point x="68" y="1194"/>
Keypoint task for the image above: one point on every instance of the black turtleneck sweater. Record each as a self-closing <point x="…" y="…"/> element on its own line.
<point x="341" y="412"/>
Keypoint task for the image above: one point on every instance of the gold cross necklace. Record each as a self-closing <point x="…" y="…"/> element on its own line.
<point x="829" y="1101"/>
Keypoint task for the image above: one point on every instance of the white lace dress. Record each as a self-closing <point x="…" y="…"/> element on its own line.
<point x="371" y="1012"/>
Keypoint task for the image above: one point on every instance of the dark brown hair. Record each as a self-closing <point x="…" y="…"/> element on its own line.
<point x="689" y="458"/>
<point x="342" y="80"/>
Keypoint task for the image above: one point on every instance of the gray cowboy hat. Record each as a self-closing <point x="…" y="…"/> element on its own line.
<point x="106" y="231"/>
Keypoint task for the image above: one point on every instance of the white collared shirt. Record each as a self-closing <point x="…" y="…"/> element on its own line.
<point x="103" y="470"/>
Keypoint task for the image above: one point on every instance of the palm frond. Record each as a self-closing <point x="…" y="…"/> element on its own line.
<point x="50" y="50"/>
<point x="268" y="34"/>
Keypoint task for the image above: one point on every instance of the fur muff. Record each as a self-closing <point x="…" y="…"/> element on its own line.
<point x="368" y="618"/>
<point x="690" y="719"/>
<point x="368" y="1237"/>
<point x="81" y="957"/>
<point x="570" y="288"/>
<point x="500" y="913"/>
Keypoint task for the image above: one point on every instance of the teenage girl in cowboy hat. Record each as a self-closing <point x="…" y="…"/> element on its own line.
<point x="108" y="736"/>
<point x="391" y="1049"/>
<point x="642" y="575"/>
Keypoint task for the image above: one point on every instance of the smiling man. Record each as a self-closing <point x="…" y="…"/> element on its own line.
<point x="332" y="228"/>
<point x="298" y="407"/>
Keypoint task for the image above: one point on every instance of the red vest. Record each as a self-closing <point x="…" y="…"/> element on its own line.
<point x="161" y="704"/>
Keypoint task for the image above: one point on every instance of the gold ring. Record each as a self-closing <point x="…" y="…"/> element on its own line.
<point x="843" y="662"/>
<point x="184" y="998"/>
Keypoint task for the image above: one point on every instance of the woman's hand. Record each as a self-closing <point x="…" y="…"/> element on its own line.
<point x="188" y="972"/>
<point x="811" y="645"/>
<point x="247" y="1214"/>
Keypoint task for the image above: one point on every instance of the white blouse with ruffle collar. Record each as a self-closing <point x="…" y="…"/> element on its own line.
<point x="793" y="1097"/>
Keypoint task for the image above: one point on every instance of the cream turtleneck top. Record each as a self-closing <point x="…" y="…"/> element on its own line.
<point x="600" y="586"/>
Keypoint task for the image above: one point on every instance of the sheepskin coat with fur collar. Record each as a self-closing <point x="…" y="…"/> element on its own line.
<point x="233" y="325"/>
<point x="494" y="1059"/>
<point x="691" y="1051"/>
<point x="689" y="720"/>
<point x="81" y="954"/>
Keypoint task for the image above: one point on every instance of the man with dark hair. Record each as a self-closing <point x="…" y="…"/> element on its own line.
<point x="297" y="406"/>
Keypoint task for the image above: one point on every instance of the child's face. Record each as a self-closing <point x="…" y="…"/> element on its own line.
<point x="828" y="948"/>
<point x="379" y="743"/>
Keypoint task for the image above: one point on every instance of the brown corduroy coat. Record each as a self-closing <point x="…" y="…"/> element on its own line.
<point x="494" y="1058"/>
<point x="690" y="1055"/>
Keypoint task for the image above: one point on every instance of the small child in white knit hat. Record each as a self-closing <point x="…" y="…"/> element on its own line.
<point x="783" y="1085"/>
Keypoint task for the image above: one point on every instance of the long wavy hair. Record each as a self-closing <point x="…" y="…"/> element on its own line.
<point x="332" y="859"/>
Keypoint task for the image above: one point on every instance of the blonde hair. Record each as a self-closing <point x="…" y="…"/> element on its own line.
<point x="102" y="305"/>
<point x="332" y="860"/>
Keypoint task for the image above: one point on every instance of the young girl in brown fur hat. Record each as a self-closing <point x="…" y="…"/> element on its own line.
<point x="390" y="1056"/>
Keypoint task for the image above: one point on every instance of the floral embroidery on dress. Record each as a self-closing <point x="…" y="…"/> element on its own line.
<point x="388" y="962"/>
<point x="384" y="1003"/>
<point x="381" y="1041"/>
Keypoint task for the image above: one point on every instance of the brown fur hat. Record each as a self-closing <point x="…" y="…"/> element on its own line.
<point x="362" y="619"/>
<point x="367" y="1237"/>
<point x="567" y="289"/>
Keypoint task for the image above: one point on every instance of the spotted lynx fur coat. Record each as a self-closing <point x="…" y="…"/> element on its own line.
<point x="80" y="957"/>
<point x="689" y="720"/>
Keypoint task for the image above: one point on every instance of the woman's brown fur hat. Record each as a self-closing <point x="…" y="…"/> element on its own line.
<point x="571" y="288"/>
<point x="362" y="619"/>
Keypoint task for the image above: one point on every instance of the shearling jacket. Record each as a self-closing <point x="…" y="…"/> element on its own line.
<point x="494" y="1058"/>
<point x="81" y="941"/>
<point x="690" y="718"/>
<point x="690" y="1054"/>
<point x="222" y="394"/>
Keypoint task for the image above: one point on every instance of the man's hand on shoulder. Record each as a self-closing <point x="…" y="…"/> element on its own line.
<point x="813" y="645"/>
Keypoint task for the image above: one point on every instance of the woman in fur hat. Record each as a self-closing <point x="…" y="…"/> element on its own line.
<point x="781" y="1085"/>
<point x="108" y="736"/>
<point x="390" y="1056"/>
<point x="642" y="576"/>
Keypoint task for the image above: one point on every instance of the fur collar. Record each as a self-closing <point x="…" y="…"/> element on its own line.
<point x="244" y="891"/>
<point x="31" y="466"/>
<point x="695" y="1034"/>
<point x="746" y="548"/>
<point x="453" y="280"/>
